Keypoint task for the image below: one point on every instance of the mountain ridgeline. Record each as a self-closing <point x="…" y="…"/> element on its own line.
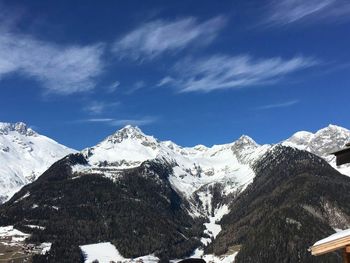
<point x="269" y="203"/>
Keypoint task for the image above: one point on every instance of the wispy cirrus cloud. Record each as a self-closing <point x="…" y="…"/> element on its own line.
<point x="99" y="107"/>
<point x="165" y="81"/>
<point x="135" y="87"/>
<point x="278" y="105"/>
<point x="113" y="86"/>
<point x="283" y="12"/>
<point x="122" y="122"/>
<point x="60" y="69"/>
<point x="231" y="72"/>
<point x="155" y="38"/>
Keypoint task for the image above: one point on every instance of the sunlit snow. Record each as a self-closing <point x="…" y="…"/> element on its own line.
<point x="24" y="155"/>
<point x="106" y="253"/>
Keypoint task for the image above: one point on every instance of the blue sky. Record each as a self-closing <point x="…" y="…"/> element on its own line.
<point x="189" y="71"/>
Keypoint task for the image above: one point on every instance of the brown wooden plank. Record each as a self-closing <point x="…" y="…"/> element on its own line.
<point x="330" y="246"/>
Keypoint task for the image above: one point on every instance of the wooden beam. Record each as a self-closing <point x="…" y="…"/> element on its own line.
<point x="330" y="246"/>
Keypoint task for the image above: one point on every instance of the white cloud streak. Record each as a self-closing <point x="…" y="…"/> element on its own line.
<point x="113" y="86"/>
<point x="283" y="12"/>
<point x="122" y="122"/>
<point x="278" y="105"/>
<point x="98" y="107"/>
<point x="97" y="120"/>
<point x="165" y="81"/>
<point x="60" y="69"/>
<point x="155" y="38"/>
<point x="231" y="72"/>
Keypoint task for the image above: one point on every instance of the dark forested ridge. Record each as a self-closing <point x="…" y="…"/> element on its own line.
<point x="140" y="213"/>
<point x="296" y="199"/>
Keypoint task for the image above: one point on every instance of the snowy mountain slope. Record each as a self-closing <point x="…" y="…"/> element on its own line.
<point x="24" y="155"/>
<point x="193" y="167"/>
<point x="322" y="143"/>
<point x="196" y="169"/>
<point x="106" y="252"/>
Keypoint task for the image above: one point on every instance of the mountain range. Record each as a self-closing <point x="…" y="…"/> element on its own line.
<point x="147" y="196"/>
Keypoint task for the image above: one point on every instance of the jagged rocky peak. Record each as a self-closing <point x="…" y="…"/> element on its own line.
<point x="329" y="139"/>
<point x="129" y="132"/>
<point x="333" y="130"/>
<point x="127" y="147"/>
<point x="322" y="142"/>
<point x="244" y="142"/>
<point x="19" y="127"/>
<point x="246" y="139"/>
<point x="243" y="148"/>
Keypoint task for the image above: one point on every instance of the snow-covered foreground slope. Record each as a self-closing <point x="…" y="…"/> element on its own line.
<point x="24" y="155"/>
<point x="106" y="252"/>
<point x="322" y="143"/>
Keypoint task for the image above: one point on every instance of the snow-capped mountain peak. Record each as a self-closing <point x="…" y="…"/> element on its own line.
<point x="19" y="127"/>
<point x="329" y="139"/>
<point x="334" y="127"/>
<point x="192" y="167"/>
<point x="244" y="149"/>
<point x="127" y="147"/>
<point x="129" y="133"/>
<point x="245" y="141"/>
<point x="24" y="155"/>
<point x="331" y="130"/>
<point x="300" y="138"/>
<point x="322" y="143"/>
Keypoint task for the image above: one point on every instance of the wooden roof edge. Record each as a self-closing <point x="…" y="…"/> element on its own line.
<point x="320" y="251"/>
<point x="329" y="246"/>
